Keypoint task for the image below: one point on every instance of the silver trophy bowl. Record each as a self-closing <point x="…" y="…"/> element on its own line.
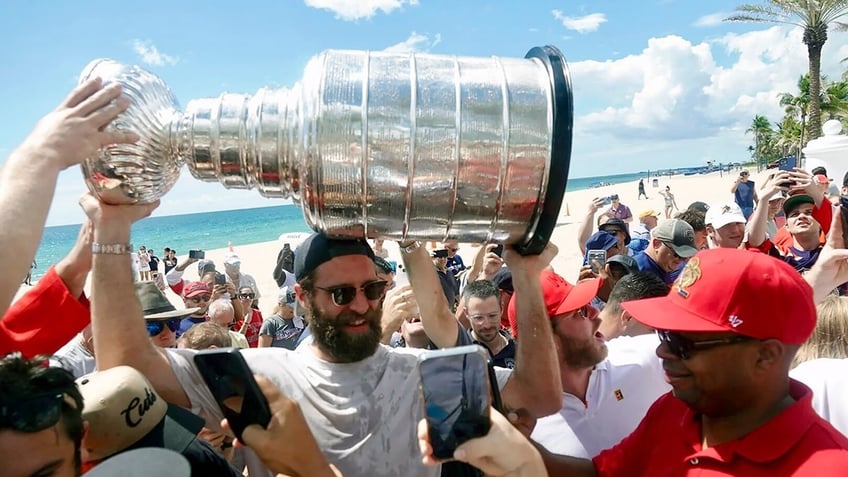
<point x="369" y="144"/>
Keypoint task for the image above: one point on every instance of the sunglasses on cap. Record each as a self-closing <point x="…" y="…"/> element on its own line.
<point x="683" y="347"/>
<point x="156" y="327"/>
<point x="35" y="413"/>
<point x="246" y="296"/>
<point x="343" y="295"/>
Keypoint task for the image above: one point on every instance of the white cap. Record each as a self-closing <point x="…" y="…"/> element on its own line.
<point x="719" y="215"/>
<point x="232" y="259"/>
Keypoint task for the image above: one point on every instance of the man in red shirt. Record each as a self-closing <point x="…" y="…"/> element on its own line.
<point x="728" y="331"/>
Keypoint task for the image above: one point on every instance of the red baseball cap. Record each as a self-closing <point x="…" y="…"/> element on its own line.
<point x="560" y="296"/>
<point x="196" y="288"/>
<point x="745" y="292"/>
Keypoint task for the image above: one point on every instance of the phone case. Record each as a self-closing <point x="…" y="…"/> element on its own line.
<point x="231" y="382"/>
<point x="456" y="393"/>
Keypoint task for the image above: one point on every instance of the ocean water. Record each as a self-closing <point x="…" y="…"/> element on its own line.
<point x="212" y="230"/>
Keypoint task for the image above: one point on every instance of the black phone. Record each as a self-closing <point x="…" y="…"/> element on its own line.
<point x="197" y="254"/>
<point x="843" y="210"/>
<point x="440" y="253"/>
<point x="220" y="278"/>
<point x="498" y="250"/>
<point x="231" y="382"/>
<point x="456" y="393"/>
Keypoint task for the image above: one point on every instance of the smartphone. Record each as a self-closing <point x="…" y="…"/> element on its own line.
<point x="456" y="393"/>
<point x="843" y="210"/>
<point x="220" y="278"/>
<point x="197" y="254"/>
<point x="440" y="253"/>
<point x="596" y="255"/>
<point x="231" y="382"/>
<point x="498" y="250"/>
<point x="608" y="200"/>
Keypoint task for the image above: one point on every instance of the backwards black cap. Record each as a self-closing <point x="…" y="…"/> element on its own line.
<point x="318" y="248"/>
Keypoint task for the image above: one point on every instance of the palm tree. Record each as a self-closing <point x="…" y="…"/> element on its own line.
<point x="786" y="137"/>
<point x="760" y="127"/>
<point x="798" y="106"/>
<point x="814" y="16"/>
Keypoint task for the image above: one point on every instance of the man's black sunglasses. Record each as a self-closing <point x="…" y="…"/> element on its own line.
<point x="35" y="413"/>
<point x="343" y="295"/>
<point x="683" y="347"/>
<point x="246" y="295"/>
<point x="156" y="327"/>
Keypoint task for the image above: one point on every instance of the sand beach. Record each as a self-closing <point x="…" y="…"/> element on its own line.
<point x="259" y="259"/>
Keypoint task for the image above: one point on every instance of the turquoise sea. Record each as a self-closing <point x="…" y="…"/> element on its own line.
<point x="211" y="230"/>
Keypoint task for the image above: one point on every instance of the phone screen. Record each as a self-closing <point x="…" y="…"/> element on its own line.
<point x="220" y="278"/>
<point x="599" y="256"/>
<point x="498" y="250"/>
<point x="231" y="382"/>
<point x="456" y="392"/>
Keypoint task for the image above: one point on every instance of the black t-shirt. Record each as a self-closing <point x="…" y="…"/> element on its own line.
<point x="506" y="357"/>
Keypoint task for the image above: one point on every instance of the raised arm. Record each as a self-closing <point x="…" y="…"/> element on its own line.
<point x="831" y="268"/>
<point x="757" y="222"/>
<point x="535" y="383"/>
<point x="436" y="316"/>
<point x="55" y="309"/>
<point x="63" y="138"/>
<point x="587" y="225"/>
<point x="117" y="321"/>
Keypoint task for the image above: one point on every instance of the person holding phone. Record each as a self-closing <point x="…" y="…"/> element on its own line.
<point x="337" y="286"/>
<point x="745" y="194"/>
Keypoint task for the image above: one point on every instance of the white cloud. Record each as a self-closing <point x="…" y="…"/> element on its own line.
<point x="415" y="43"/>
<point x="677" y="102"/>
<point x="151" y="55"/>
<point x="711" y="20"/>
<point x="350" y="10"/>
<point x="584" y="24"/>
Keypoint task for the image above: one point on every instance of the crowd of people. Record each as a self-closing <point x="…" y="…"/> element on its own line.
<point x="710" y="343"/>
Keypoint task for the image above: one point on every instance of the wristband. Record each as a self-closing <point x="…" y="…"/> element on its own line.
<point x="112" y="248"/>
<point x="409" y="247"/>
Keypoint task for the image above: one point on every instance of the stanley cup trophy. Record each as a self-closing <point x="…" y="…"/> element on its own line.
<point x="369" y="144"/>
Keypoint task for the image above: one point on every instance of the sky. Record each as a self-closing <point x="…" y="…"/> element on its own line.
<point x="657" y="83"/>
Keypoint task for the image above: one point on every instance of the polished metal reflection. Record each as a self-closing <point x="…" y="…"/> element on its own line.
<point x="368" y="143"/>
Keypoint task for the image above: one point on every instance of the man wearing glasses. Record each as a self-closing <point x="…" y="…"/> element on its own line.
<point x="606" y="388"/>
<point x="672" y="242"/>
<point x="482" y="300"/>
<point x="729" y="330"/>
<point x="197" y="296"/>
<point x="41" y="424"/>
<point x="360" y="399"/>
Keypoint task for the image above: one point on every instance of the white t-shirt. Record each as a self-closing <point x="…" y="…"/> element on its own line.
<point x="75" y="358"/>
<point x="828" y="378"/>
<point x="364" y="415"/>
<point x="621" y="389"/>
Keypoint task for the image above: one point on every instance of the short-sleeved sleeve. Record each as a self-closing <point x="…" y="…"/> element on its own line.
<point x="269" y="327"/>
<point x="202" y="402"/>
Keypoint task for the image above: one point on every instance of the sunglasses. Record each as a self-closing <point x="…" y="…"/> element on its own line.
<point x="246" y="296"/>
<point x="34" y="414"/>
<point x="683" y="347"/>
<point x="676" y="256"/>
<point x="156" y="327"/>
<point x="343" y="295"/>
<point x="453" y="249"/>
<point x="198" y="299"/>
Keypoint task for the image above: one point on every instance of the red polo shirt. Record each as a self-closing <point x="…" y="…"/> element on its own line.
<point x="43" y="319"/>
<point x="796" y="442"/>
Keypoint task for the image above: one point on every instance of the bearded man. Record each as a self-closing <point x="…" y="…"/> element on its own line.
<point x="361" y="400"/>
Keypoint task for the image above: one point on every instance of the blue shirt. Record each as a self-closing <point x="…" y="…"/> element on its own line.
<point x="187" y="323"/>
<point x="647" y="264"/>
<point x="745" y="194"/>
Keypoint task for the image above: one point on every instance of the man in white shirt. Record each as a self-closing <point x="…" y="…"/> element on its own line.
<point x="828" y="378"/>
<point x="607" y="387"/>
<point x="360" y="399"/>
